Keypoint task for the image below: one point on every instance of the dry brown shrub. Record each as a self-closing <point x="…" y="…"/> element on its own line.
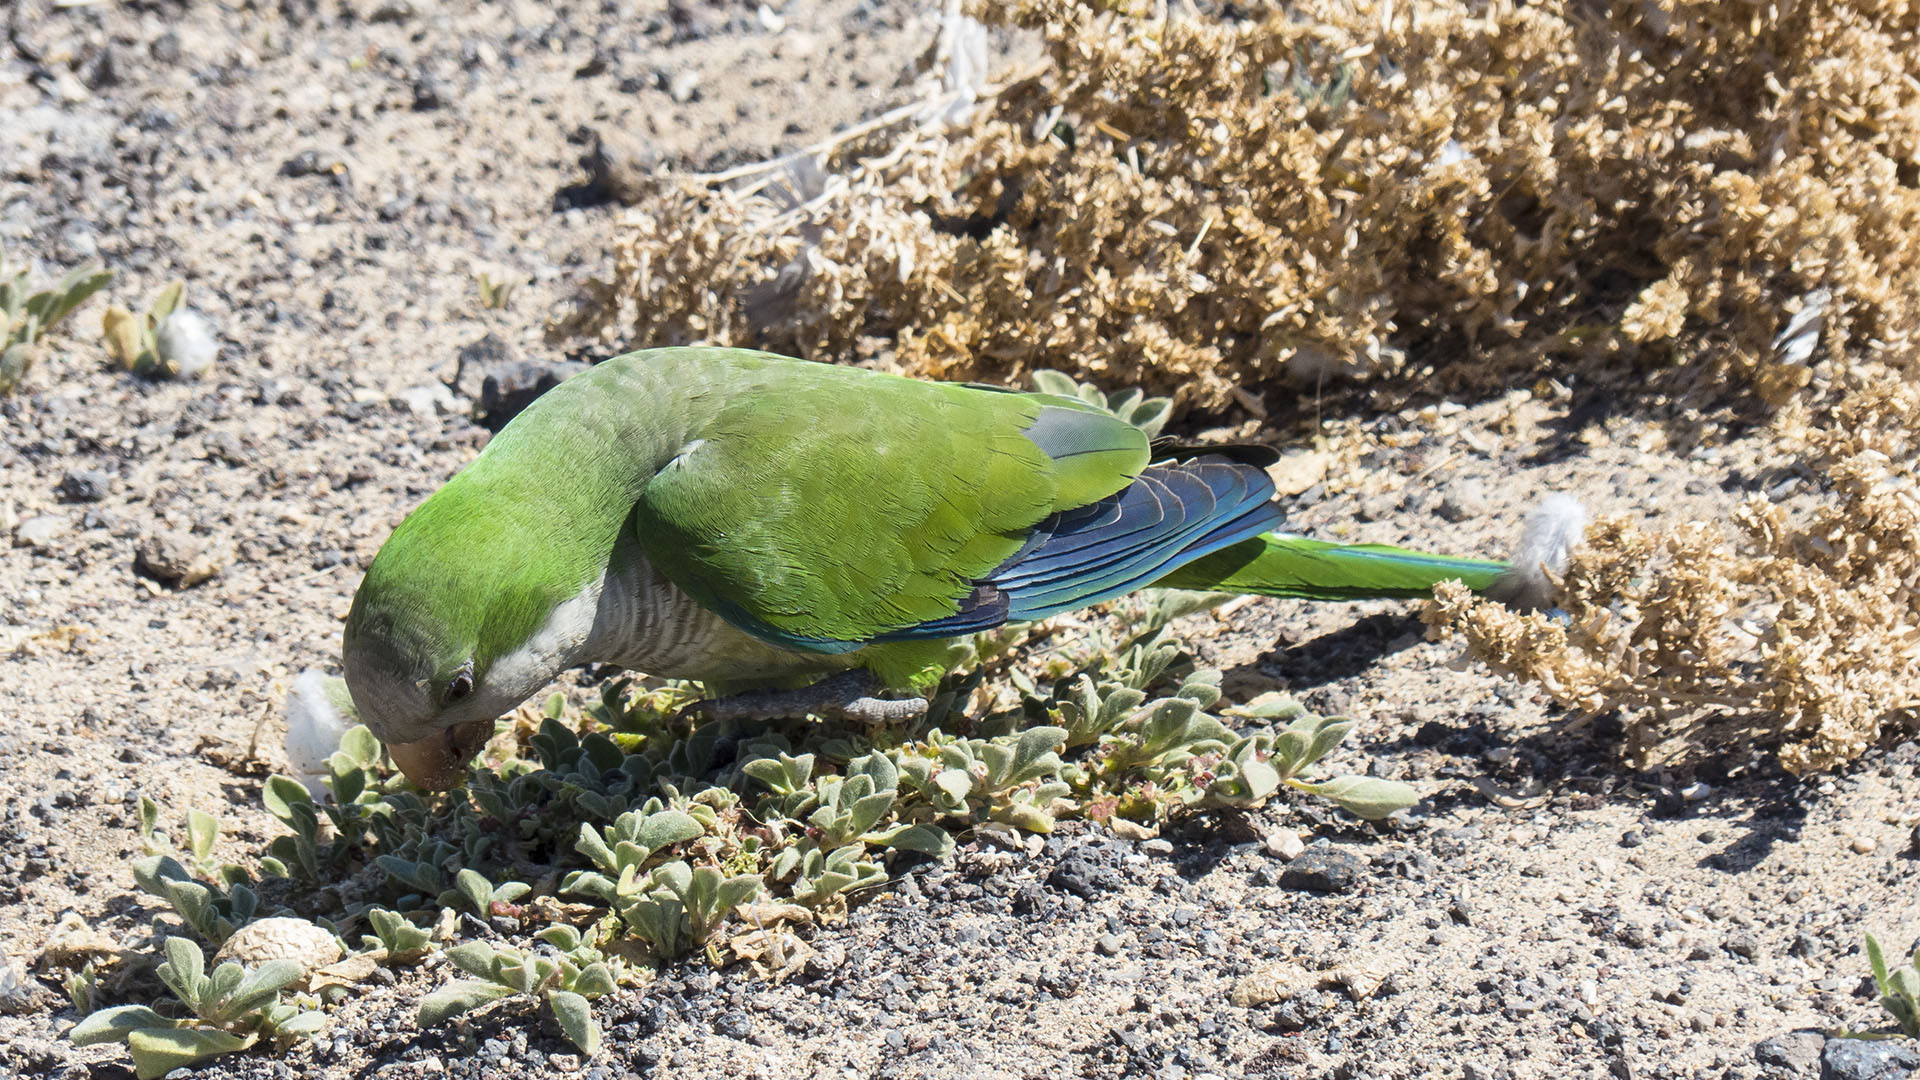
<point x="1198" y="204"/>
<point x="1799" y="635"/>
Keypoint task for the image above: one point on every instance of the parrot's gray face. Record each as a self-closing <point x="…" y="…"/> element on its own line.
<point x="432" y="715"/>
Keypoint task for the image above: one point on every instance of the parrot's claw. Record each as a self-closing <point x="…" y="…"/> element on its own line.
<point x="847" y="696"/>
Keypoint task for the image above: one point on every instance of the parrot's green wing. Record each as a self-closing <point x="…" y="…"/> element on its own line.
<point x="824" y="507"/>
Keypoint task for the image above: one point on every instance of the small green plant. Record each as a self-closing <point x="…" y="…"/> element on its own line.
<point x="486" y="898"/>
<point x="495" y="293"/>
<point x="83" y="989"/>
<point x="134" y="340"/>
<point x="565" y="982"/>
<point x="169" y="341"/>
<point x="213" y="898"/>
<point x="231" y="1010"/>
<point x="208" y="910"/>
<point x="627" y="845"/>
<point x="1132" y="405"/>
<point x="27" y="315"/>
<point x="683" y="907"/>
<point x="1899" y="988"/>
<point x="403" y="941"/>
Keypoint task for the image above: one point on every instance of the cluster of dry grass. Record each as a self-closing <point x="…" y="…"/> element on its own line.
<point x="1801" y="634"/>
<point x="1198" y="204"/>
<point x="1202" y="205"/>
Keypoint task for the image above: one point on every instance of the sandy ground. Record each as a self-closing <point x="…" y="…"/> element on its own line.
<point x="328" y="177"/>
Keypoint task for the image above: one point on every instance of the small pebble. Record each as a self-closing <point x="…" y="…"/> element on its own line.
<point x="85" y="485"/>
<point x="1284" y="844"/>
<point x="1865" y="845"/>
<point x="181" y="558"/>
<point x="39" y="533"/>
<point x="683" y="86"/>
<point x="1868" y="1059"/>
<point x="1323" y="870"/>
<point x="1107" y="945"/>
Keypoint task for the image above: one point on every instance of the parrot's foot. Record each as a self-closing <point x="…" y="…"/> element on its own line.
<point x="847" y="696"/>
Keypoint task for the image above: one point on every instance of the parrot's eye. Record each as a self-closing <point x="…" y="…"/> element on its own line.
<point x="458" y="687"/>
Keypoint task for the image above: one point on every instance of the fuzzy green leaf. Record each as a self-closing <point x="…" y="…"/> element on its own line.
<point x="280" y="795"/>
<point x="575" y="1018"/>
<point x="474" y="958"/>
<point x="476" y="888"/>
<point x="1367" y="797"/>
<point x="184" y="971"/>
<point x="159" y="1051"/>
<point x="596" y="980"/>
<point x="202" y="830"/>
<point x="667" y="827"/>
<point x="865" y="814"/>
<point x="260" y="986"/>
<point x="925" y="839"/>
<point x="302" y="1024"/>
<point x="1878" y="962"/>
<point x="113" y="1025"/>
<point x="456" y="998"/>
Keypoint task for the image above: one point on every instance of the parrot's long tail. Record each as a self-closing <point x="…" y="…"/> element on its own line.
<point x="1281" y="564"/>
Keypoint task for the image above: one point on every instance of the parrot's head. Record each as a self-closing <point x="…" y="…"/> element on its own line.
<point x="434" y="648"/>
<point x="419" y="686"/>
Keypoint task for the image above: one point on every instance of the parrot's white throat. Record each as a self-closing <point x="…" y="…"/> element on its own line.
<point x="632" y="616"/>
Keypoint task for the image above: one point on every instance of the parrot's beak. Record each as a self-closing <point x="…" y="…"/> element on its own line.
<point x="437" y="761"/>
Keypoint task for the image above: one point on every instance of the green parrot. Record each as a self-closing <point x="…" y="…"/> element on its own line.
<point x="743" y="518"/>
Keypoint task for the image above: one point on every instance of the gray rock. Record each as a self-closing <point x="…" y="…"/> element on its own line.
<point x="85" y="485"/>
<point x="425" y="399"/>
<point x="825" y="962"/>
<point x="1084" y="874"/>
<point x="394" y="11"/>
<point x="1463" y="501"/>
<point x="684" y="85"/>
<point x="18" y="994"/>
<point x="476" y="359"/>
<point x="429" y="93"/>
<point x="1323" y="870"/>
<point x="40" y="532"/>
<point x="181" y="558"/>
<point x="512" y="387"/>
<point x="165" y="48"/>
<point x="620" y="167"/>
<point x="1868" y="1059"/>
<point x="1284" y="844"/>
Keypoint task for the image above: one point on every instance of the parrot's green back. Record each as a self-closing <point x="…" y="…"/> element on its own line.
<point x="825" y="506"/>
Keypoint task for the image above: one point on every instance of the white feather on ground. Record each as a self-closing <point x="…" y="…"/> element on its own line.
<point x="319" y="712"/>
<point x="1546" y="546"/>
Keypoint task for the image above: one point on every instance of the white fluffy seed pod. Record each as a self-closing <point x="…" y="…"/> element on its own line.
<point x="186" y="343"/>
<point x="319" y="712"/>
